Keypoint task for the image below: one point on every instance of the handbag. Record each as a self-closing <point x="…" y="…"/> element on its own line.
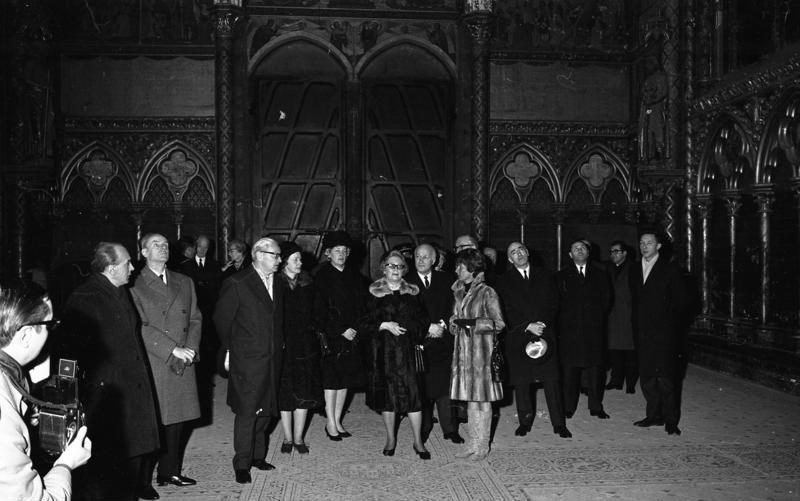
<point x="324" y="349"/>
<point x="496" y="361"/>
<point x="419" y="358"/>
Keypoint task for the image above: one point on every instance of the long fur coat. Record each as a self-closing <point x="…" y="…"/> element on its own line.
<point x="471" y="372"/>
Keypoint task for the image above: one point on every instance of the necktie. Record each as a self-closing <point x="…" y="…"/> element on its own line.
<point x="581" y="271"/>
<point x="202" y="263"/>
<point x="163" y="278"/>
<point x="427" y="282"/>
<point x="525" y="274"/>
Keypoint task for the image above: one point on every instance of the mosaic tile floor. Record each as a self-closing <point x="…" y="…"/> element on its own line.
<point x="739" y="442"/>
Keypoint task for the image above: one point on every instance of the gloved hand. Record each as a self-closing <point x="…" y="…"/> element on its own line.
<point x="465" y="322"/>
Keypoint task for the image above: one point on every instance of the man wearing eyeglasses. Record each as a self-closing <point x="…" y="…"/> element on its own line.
<point x="248" y="318"/>
<point x="621" y="350"/>
<point x="171" y="330"/>
<point x="100" y="331"/>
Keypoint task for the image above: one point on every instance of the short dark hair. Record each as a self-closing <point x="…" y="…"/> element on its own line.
<point x="19" y="307"/>
<point x="650" y="231"/>
<point x="622" y="245"/>
<point x="237" y="244"/>
<point x="472" y="259"/>
<point x="105" y="254"/>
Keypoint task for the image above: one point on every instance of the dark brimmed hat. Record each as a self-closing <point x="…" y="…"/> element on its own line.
<point x="335" y="239"/>
<point x="287" y="249"/>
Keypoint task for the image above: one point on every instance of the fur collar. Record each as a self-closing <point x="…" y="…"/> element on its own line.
<point x="380" y="288"/>
<point x="459" y="286"/>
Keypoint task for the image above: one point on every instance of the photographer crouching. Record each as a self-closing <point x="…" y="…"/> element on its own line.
<point x="24" y="323"/>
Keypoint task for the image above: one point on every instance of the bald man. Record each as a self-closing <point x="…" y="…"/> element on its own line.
<point x="435" y="292"/>
<point x="249" y="320"/>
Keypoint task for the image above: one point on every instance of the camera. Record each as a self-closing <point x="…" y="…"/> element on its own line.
<point x="60" y="413"/>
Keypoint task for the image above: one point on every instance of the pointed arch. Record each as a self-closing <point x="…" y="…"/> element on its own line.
<point x="72" y="171"/>
<point x="725" y="126"/>
<point x="179" y="182"/>
<point x="286" y="39"/>
<point x="596" y="166"/>
<point x="387" y="45"/>
<point x="536" y="157"/>
<point x="781" y="128"/>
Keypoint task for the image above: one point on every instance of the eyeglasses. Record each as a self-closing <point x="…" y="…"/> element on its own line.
<point x="392" y="266"/>
<point x="276" y="255"/>
<point x="616" y="251"/>
<point x="50" y="324"/>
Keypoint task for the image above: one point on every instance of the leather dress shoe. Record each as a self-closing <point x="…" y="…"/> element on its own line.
<point x="147" y="492"/>
<point x="243" y="476"/>
<point x="388" y="452"/>
<point x="422" y="454"/>
<point x="286" y="447"/>
<point x="335" y="438"/>
<point x="262" y="465"/>
<point x="454" y="437"/>
<point x="178" y="480"/>
<point x="599" y="414"/>
<point x="672" y="429"/>
<point x="562" y="431"/>
<point x="647" y="422"/>
<point x="522" y="430"/>
<point x="345" y="434"/>
<point x="301" y="448"/>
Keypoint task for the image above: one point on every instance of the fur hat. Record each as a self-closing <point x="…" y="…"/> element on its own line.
<point x="335" y="239"/>
<point x="287" y="249"/>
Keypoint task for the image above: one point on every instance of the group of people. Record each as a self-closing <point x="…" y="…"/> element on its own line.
<point x="291" y="342"/>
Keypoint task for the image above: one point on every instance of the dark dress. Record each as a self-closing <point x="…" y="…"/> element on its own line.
<point x="301" y="383"/>
<point x="338" y="306"/>
<point x="392" y="383"/>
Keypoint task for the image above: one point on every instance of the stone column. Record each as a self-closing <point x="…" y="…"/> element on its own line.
<point x="559" y="214"/>
<point x="704" y="209"/>
<point x="733" y="203"/>
<point x="225" y="16"/>
<point x="354" y="170"/>
<point x="21" y="223"/>
<point x="765" y="196"/>
<point x="718" y="41"/>
<point x="670" y="51"/>
<point x="478" y="23"/>
<point x="796" y="187"/>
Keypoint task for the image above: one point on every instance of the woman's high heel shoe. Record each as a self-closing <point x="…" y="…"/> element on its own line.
<point x="422" y="454"/>
<point x="335" y="438"/>
<point x="388" y="452"/>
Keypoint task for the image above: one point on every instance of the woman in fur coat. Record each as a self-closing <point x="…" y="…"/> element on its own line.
<point x="396" y="324"/>
<point x="476" y="321"/>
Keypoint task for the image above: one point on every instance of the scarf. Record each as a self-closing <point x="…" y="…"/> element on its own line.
<point x="14" y="371"/>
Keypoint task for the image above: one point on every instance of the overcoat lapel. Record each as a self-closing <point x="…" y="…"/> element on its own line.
<point x="255" y="284"/>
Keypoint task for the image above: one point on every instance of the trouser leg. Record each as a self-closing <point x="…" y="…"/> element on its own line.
<point x="525" y="403"/>
<point x="669" y="404"/>
<point x="169" y="462"/>
<point x="249" y="440"/>
<point x="631" y="369"/>
<point x="616" y="359"/>
<point x="595" y="384"/>
<point x="571" y="388"/>
<point x="653" y="398"/>
<point x="555" y="407"/>
<point x="444" y="407"/>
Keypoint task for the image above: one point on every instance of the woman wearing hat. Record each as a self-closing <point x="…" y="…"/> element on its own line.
<point x="341" y="299"/>
<point x="301" y="386"/>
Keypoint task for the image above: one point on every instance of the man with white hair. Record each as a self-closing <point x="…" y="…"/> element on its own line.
<point x="249" y="320"/>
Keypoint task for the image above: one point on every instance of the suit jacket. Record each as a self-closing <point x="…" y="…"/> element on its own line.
<point x="583" y="305"/>
<point x="526" y="301"/>
<point x="620" y="326"/>
<point x="250" y="326"/>
<point x="206" y="281"/>
<point x="438" y="301"/>
<point x="659" y="308"/>
<point x="170" y="317"/>
<point x="100" y="328"/>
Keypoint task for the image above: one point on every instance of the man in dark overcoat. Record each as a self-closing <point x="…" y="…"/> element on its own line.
<point x="659" y="306"/>
<point x="434" y="287"/>
<point x="530" y="301"/>
<point x="206" y="273"/>
<point x="171" y="330"/>
<point x="100" y="331"/>
<point x="584" y="294"/>
<point x="621" y="347"/>
<point x="248" y="317"/>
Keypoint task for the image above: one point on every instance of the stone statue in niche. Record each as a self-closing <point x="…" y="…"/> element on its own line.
<point x="369" y="34"/>
<point x="653" y="112"/>
<point x="438" y="37"/>
<point x="32" y="128"/>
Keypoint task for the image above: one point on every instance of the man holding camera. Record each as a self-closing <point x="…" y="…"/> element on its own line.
<point x="24" y="323"/>
<point x="100" y="332"/>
